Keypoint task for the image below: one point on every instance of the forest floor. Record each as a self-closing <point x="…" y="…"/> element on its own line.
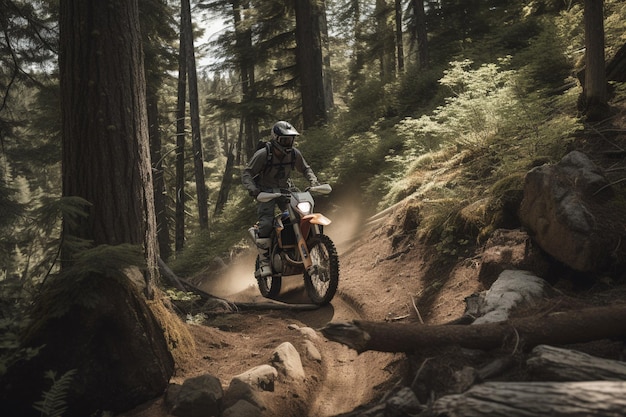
<point x="383" y="277"/>
<point x="372" y="287"/>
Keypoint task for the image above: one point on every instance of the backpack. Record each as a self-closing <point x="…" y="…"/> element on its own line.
<point x="268" y="162"/>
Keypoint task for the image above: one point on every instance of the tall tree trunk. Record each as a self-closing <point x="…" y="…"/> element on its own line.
<point x="385" y="47"/>
<point x="358" y="55"/>
<point x="238" y="150"/>
<point x="421" y="35"/>
<point x="329" y="100"/>
<point x="93" y="321"/>
<point x="180" y="146"/>
<point x="243" y="42"/>
<point x="227" y="180"/>
<point x="399" y="45"/>
<point x="160" y="206"/>
<point x="194" y="110"/>
<point x="106" y="154"/>
<point x="595" y="88"/>
<point x="309" y="62"/>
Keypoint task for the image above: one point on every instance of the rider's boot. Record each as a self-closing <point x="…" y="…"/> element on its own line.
<point x="263" y="246"/>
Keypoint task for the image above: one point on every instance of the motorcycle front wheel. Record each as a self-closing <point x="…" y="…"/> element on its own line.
<point x="322" y="279"/>
<point x="268" y="286"/>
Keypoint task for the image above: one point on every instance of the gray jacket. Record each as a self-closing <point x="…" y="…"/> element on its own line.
<point x="256" y="176"/>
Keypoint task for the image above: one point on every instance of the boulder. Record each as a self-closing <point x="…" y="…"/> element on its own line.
<point x="242" y="408"/>
<point x="511" y="290"/>
<point x="197" y="397"/>
<point x="247" y="386"/>
<point x="287" y="360"/>
<point x="311" y="351"/>
<point x="239" y="390"/>
<point x="261" y="377"/>
<point x="571" y="213"/>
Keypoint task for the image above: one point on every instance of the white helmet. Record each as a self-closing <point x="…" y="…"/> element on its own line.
<point x="284" y="135"/>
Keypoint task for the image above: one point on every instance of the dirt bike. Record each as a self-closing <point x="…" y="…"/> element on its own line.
<point x="299" y="246"/>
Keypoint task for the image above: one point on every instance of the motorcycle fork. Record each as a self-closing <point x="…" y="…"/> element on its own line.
<point x="302" y="247"/>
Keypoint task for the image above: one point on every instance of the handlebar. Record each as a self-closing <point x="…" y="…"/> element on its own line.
<point x="264" y="197"/>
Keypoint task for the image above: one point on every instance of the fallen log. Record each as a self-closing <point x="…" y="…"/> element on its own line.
<point x="531" y="399"/>
<point x="167" y="273"/>
<point x="550" y="363"/>
<point x="575" y="326"/>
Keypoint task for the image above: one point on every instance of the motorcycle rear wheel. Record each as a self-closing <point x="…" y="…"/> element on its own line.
<point x="322" y="279"/>
<point x="268" y="286"/>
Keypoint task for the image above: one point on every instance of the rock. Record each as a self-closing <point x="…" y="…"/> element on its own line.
<point x="247" y="386"/>
<point x="287" y="360"/>
<point x="171" y="393"/>
<point x="510" y="249"/>
<point x="242" y="408"/>
<point x="512" y="289"/>
<point x="402" y="403"/>
<point x="239" y="390"/>
<point x="311" y="351"/>
<point x="261" y="376"/>
<point x="198" y="397"/>
<point x="309" y="333"/>
<point x="570" y="213"/>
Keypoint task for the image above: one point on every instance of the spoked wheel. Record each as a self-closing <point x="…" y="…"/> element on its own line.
<point x="322" y="279"/>
<point x="268" y="286"/>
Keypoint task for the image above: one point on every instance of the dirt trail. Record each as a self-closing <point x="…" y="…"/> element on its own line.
<point x="346" y="379"/>
<point x="350" y="379"/>
<point x="370" y="288"/>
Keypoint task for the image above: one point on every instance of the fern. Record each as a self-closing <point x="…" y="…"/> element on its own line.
<point x="53" y="403"/>
<point x="75" y="284"/>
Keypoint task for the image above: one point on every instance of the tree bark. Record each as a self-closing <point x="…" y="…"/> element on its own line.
<point x="595" y="87"/>
<point x="556" y="328"/>
<point x="399" y="42"/>
<point x="96" y="322"/>
<point x="329" y="100"/>
<point x="421" y="35"/>
<point x="550" y="363"/>
<point x="160" y="204"/>
<point x="106" y="153"/>
<point x="245" y="55"/>
<point x="530" y="399"/>
<point x="358" y="53"/>
<point x="309" y="62"/>
<point x="194" y="110"/>
<point x="180" y="146"/>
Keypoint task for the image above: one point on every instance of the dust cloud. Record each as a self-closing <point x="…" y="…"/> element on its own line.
<point x="236" y="279"/>
<point x="346" y="223"/>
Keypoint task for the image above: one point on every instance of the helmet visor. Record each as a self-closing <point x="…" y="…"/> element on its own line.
<point x="286" y="141"/>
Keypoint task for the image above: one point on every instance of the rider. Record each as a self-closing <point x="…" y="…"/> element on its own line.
<point x="261" y="174"/>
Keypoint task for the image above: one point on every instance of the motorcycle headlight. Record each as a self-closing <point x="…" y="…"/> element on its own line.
<point x="304" y="207"/>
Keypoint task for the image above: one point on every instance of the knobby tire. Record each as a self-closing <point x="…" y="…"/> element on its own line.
<point x="268" y="286"/>
<point x="321" y="286"/>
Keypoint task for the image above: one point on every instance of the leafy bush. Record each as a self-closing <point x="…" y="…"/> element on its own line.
<point x="480" y="100"/>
